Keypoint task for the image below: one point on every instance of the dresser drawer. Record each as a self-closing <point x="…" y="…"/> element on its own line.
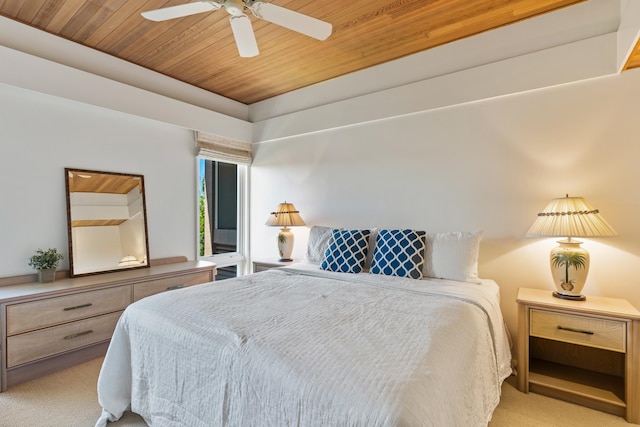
<point x="35" y="345"/>
<point x="144" y="289"/>
<point x="577" y="329"/>
<point x="29" y="316"/>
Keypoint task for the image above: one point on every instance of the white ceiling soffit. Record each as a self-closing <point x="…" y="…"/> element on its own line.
<point x="569" y="25"/>
<point x="51" y="78"/>
<point x="24" y="38"/>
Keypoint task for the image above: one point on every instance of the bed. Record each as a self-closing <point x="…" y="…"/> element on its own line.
<point x="309" y="347"/>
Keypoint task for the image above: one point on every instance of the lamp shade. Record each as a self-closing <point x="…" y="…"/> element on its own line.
<point x="285" y="215"/>
<point x="570" y="217"/>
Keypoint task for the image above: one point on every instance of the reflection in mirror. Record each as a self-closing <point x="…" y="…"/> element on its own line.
<point x="107" y="222"/>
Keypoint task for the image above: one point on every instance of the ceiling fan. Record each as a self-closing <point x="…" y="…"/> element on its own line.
<point x="240" y="22"/>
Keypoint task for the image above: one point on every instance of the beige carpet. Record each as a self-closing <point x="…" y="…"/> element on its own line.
<point x="69" y="399"/>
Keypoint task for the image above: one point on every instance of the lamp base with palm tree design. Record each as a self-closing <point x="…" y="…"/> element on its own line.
<point x="285" y="244"/>
<point x="569" y="268"/>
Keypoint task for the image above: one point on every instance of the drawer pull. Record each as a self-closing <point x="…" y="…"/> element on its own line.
<point x="580" y="331"/>
<point x="78" y="306"/>
<point x="79" y="334"/>
<point x="171" y="288"/>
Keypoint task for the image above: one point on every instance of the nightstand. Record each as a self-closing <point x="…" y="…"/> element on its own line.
<point x="262" y="265"/>
<point x="585" y="352"/>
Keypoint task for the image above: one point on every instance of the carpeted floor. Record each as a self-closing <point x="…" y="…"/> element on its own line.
<point x="69" y="399"/>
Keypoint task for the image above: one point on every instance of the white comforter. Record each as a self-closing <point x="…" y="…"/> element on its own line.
<point x="302" y="347"/>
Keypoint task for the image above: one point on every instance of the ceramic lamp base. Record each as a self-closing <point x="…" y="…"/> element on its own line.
<point x="569" y="268"/>
<point x="285" y="244"/>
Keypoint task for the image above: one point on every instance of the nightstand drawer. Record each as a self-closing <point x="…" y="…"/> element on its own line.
<point x="264" y="265"/>
<point x="581" y="330"/>
<point x="257" y="268"/>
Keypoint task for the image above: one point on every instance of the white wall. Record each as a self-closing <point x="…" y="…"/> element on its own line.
<point x="489" y="165"/>
<point x="40" y="135"/>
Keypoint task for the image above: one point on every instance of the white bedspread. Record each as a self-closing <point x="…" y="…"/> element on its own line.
<point x="302" y="347"/>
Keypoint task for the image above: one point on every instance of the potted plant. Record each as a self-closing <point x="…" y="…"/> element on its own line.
<point x="46" y="262"/>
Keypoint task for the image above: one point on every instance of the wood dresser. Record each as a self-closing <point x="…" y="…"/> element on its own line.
<point x="45" y="327"/>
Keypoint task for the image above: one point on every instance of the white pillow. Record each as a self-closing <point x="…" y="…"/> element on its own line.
<point x="319" y="237"/>
<point x="453" y="256"/>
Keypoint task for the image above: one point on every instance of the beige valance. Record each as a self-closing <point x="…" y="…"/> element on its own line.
<point x="215" y="147"/>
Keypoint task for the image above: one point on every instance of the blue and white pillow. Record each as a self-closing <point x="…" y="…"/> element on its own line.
<point x="347" y="251"/>
<point x="399" y="253"/>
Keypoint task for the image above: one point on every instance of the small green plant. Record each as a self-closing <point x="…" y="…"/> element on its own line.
<point x="566" y="259"/>
<point x="43" y="260"/>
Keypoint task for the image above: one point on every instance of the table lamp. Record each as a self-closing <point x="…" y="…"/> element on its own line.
<point x="285" y="216"/>
<point x="570" y="217"/>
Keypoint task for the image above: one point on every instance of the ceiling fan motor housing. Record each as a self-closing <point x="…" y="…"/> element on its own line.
<point x="234" y="7"/>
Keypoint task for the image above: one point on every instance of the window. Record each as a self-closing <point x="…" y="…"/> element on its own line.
<point x="223" y="169"/>
<point x="220" y="220"/>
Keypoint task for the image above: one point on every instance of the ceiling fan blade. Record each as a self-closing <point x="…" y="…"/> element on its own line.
<point x="181" y="10"/>
<point x="245" y="38"/>
<point x="295" y="21"/>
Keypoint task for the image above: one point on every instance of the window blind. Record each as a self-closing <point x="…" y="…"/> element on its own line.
<point x="223" y="149"/>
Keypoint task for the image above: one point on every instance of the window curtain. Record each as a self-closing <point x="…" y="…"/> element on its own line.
<point x="223" y="149"/>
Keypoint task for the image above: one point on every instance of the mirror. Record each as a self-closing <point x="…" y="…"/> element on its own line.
<point x="107" y="222"/>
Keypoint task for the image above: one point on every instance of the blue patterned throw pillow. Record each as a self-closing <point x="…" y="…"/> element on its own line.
<point x="399" y="253"/>
<point x="347" y="251"/>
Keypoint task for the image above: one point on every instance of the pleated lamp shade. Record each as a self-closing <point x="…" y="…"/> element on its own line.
<point x="570" y="217"/>
<point x="285" y="216"/>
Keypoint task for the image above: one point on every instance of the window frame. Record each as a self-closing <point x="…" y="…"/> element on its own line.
<point x="240" y="257"/>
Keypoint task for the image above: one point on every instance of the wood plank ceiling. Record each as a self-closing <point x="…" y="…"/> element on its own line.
<point x="200" y="49"/>
<point x="84" y="181"/>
